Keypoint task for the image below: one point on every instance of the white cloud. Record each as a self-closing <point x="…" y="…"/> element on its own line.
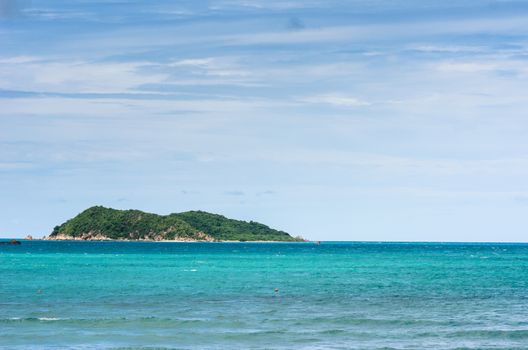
<point x="216" y="67"/>
<point x="55" y="14"/>
<point x="6" y="166"/>
<point x="478" y="66"/>
<point x="32" y="74"/>
<point x="197" y="62"/>
<point x="430" y="48"/>
<point x="394" y="165"/>
<point x="53" y="75"/>
<point x="335" y="99"/>
<point x="400" y="30"/>
<point x="114" y="108"/>
<point x="19" y="59"/>
<point x="270" y="5"/>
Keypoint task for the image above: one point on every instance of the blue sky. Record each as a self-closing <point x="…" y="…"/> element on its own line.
<point x="335" y="120"/>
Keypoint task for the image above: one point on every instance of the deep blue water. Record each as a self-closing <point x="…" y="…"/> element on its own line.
<point x="93" y="295"/>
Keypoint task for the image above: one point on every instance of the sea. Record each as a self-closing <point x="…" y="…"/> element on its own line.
<point x="333" y="295"/>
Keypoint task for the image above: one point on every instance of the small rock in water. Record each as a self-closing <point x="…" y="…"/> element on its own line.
<point x="13" y="241"/>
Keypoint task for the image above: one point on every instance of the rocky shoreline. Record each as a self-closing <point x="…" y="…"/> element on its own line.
<point x="99" y="237"/>
<point x="177" y="240"/>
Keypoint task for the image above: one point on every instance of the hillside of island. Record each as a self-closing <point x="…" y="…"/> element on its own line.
<point x="100" y="223"/>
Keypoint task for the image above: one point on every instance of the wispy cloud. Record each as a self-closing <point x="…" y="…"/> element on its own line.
<point x="19" y="60"/>
<point x="31" y="73"/>
<point x="234" y="193"/>
<point x="484" y="66"/>
<point x="335" y="99"/>
<point x="451" y="49"/>
<point x="269" y="5"/>
<point x="266" y="193"/>
<point x="112" y="108"/>
<point x="414" y="30"/>
<point x="214" y="67"/>
<point x="6" y="166"/>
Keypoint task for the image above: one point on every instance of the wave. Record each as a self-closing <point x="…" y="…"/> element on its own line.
<point x="513" y="334"/>
<point x="22" y="319"/>
<point x="351" y="321"/>
<point x="118" y="320"/>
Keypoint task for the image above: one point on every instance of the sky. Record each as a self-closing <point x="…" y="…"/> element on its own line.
<point x="380" y="120"/>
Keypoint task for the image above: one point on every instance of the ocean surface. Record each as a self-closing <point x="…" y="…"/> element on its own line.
<point x="141" y="295"/>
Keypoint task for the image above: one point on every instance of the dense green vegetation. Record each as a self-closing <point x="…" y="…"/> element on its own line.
<point x="222" y="228"/>
<point x="100" y="222"/>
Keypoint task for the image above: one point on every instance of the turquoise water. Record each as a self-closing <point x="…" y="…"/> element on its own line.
<point x="132" y="295"/>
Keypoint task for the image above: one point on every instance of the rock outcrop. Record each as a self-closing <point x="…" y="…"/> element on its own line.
<point x="13" y="241"/>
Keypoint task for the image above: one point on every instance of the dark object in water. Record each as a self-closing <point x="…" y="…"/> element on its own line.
<point x="13" y="241"/>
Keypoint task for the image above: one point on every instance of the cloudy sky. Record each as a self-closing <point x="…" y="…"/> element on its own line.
<point x="335" y="120"/>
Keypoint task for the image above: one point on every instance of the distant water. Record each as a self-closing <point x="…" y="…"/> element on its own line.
<point x="131" y="295"/>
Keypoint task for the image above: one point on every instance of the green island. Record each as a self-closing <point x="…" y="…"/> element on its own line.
<point x="100" y="223"/>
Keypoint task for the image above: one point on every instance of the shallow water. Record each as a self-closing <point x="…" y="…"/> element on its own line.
<point x="132" y="295"/>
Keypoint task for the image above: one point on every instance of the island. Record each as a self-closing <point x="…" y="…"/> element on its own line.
<point x="101" y="223"/>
